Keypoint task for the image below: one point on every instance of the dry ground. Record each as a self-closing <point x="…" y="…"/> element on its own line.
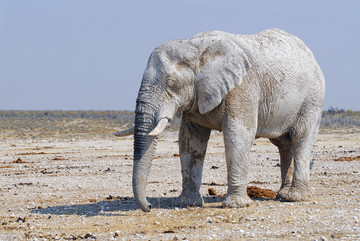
<point x="80" y="187"/>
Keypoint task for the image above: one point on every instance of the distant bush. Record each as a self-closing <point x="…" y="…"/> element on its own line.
<point x="122" y="116"/>
<point x="336" y="117"/>
<point x="335" y="110"/>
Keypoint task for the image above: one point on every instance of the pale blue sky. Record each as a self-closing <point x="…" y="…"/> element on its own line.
<point x="90" y="55"/>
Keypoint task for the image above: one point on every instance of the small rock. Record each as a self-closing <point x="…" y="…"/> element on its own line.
<point x="117" y="233"/>
<point x="89" y="236"/>
<point x="322" y="238"/>
<point x="20" y="220"/>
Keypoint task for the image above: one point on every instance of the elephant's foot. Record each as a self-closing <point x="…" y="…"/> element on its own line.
<point x="284" y="190"/>
<point x="189" y="201"/>
<point x="296" y="194"/>
<point x="236" y="201"/>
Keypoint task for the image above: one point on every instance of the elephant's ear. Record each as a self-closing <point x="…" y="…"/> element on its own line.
<point x="222" y="65"/>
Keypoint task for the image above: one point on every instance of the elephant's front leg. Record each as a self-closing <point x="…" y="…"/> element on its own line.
<point x="193" y="141"/>
<point x="238" y="141"/>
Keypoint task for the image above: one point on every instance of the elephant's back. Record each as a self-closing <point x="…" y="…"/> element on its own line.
<point x="275" y="37"/>
<point x="277" y="45"/>
<point x="283" y="55"/>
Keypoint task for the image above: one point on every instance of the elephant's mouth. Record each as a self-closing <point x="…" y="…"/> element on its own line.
<point x="160" y="127"/>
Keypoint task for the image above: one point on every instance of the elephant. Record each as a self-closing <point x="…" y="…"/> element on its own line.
<point x="265" y="85"/>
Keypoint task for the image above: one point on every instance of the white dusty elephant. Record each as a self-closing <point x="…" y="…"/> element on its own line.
<point x="247" y="86"/>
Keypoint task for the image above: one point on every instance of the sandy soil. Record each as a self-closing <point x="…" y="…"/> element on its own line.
<point x="80" y="188"/>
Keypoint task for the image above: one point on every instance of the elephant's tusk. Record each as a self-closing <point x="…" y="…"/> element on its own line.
<point x="127" y="132"/>
<point x="159" y="127"/>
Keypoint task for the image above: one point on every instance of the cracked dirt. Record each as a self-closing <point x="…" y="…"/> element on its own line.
<point x="80" y="188"/>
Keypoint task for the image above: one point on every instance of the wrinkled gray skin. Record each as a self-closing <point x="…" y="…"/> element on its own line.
<point x="247" y="86"/>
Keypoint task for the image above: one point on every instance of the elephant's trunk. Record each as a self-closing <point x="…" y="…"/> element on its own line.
<point x="144" y="148"/>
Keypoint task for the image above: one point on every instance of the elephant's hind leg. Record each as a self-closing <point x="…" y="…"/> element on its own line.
<point x="192" y="144"/>
<point x="286" y="163"/>
<point x="303" y="136"/>
<point x="299" y="190"/>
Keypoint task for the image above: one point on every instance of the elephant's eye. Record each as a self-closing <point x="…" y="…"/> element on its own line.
<point x="174" y="85"/>
<point x="171" y="83"/>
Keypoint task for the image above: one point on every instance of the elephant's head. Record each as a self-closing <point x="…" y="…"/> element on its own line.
<point x="181" y="76"/>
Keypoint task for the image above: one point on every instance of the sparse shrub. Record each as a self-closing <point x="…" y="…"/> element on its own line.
<point x="338" y="117"/>
<point x="335" y="110"/>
